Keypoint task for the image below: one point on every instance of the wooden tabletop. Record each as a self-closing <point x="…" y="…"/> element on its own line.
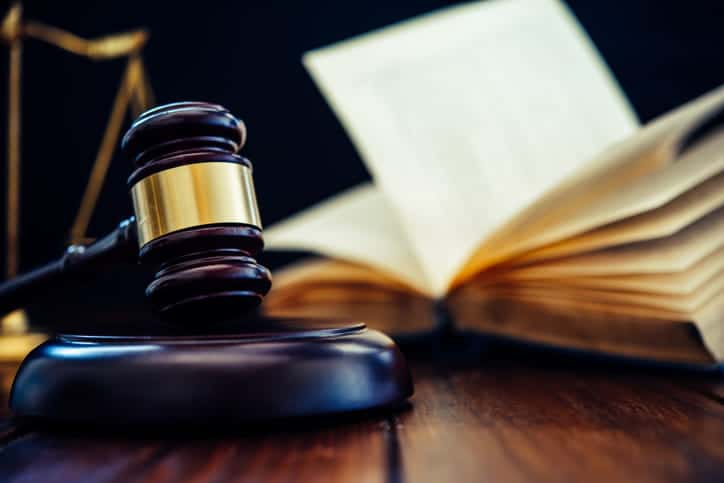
<point x="494" y="420"/>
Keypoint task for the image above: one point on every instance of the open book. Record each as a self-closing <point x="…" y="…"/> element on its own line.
<point x="514" y="187"/>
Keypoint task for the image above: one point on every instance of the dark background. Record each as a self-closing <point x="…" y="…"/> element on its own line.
<point x="246" y="56"/>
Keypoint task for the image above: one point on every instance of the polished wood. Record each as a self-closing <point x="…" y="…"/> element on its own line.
<point x="496" y="420"/>
<point x="78" y="261"/>
<point x="206" y="360"/>
<point x="201" y="269"/>
<point x="208" y="268"/>
<point x="239" y="373"/>
<point x="181" y="127"/>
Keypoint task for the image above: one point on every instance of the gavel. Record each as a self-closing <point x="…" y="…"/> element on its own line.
<point x="196" y="218"/>
<point x="197" y="223"/>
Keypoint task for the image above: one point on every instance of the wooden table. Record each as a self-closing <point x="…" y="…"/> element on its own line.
<point x="492" y="420"/>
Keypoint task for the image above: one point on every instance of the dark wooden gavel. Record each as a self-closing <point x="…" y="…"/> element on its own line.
<point x="196" y="221"/>
<point x="196" y="218"/>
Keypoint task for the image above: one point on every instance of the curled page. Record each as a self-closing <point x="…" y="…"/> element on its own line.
<point x="357" y="225"/>
<point x="467" y="115"/>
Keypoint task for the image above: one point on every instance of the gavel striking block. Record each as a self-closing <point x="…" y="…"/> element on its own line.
<point x="209" y="360"/>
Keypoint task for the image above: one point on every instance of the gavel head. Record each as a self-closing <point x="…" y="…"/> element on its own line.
<point x="196" y="211"/>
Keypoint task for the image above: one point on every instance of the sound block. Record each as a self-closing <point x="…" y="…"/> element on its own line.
<point x="275" y="369"/>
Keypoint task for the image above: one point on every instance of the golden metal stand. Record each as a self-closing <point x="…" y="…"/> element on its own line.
<point x="134" y="95"/>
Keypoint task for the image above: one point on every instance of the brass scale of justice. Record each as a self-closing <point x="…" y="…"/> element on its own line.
<point x="211" y="360"/>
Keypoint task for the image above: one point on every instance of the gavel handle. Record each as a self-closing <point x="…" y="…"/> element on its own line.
<point x="118" y="246"/>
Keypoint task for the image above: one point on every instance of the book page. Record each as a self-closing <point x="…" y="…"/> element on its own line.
<point x="708" y="321"/>
<point x="674" y="253"/>
<point x="683" y="282"/>
<point x="467" y="115"/>
<point x="681" y="303"/>
<point x="333" y="272"/>
<point x="635" y="332"/>
<point x="659" y="222"/>
<point x="334" y="289"/>
<point x="357" y="225"/>
<point x="636" y="175"/>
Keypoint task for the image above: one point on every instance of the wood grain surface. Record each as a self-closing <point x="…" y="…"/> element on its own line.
<point x="495" y="420"/>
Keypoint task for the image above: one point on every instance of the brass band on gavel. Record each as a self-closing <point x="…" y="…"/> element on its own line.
<point x="180" y="197"/>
